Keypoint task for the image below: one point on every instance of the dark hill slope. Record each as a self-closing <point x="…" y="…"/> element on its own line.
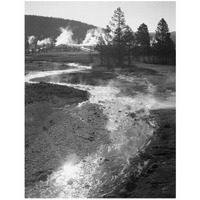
<point x="43" y="27"/>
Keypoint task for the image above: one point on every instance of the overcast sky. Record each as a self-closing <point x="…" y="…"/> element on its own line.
<point x="99" y="13"/>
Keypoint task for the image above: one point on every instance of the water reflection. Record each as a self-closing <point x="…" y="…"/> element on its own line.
<point x="101" y="172"/>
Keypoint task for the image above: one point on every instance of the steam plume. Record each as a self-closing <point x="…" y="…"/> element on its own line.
<point x="31" y="39"/>
<point x="65" y="37"/>
<point x="46" y="41"/>
<point x="92" y="36"/>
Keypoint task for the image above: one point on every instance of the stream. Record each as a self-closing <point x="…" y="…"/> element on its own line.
<point x="129" y="125"/>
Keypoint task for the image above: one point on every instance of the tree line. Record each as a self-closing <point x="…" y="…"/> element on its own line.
<point x="119" y="44"/>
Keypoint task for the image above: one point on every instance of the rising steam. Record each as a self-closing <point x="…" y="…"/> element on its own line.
<point x="31" y="39"/>
<point x="65" y="37"/>
<point x="46" y="41"/>
<point x="92" y="37"/>
<point x="70" y="165"/>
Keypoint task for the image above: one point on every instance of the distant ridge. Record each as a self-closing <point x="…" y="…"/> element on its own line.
<point x="44" y="27"/>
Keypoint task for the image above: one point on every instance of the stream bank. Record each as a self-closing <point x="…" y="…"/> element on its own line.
<point x="121" y="125"/>
<point x="158" y="177"/>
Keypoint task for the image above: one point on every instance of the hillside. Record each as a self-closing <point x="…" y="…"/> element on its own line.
<point x="44" y="27"/>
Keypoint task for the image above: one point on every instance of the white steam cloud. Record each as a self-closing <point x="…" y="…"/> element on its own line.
<point x="46" y="41"/>
<point x="31" y="39"/>
<point x="92" y="36"/>
<point x="65" y="37"/>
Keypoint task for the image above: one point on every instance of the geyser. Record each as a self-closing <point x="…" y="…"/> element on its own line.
<point x="31" y="39"/>
<point x="92" y="37"/>
<point x="46" y="41"/>
<point x="65" y="37"/>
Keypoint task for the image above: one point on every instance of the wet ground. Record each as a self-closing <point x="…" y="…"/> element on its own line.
<point x="115" y="121"/>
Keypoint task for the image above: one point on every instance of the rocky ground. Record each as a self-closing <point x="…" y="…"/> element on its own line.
<point x="56" y="128"/>
<point x="158" y="178"/>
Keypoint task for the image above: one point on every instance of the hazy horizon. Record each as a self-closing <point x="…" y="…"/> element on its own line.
<point x="99" y="13"/>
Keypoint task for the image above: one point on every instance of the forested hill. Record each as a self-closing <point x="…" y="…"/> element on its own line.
<point x="44" y="27"/>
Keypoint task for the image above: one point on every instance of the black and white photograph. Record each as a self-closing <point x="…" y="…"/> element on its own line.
<point x="99" y="99"/>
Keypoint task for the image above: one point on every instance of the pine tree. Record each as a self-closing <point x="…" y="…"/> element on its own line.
<point x="117" y="27"/>
<point x="104" y="46"/>
<point x="163" y="45"/>
<point x="143" y="39"/>
<point x="129" y="42"/>
<point x="162" y="31"/>
<point x="26" y="43"/>
<point x="100" y="47"/>
<point x="118" y="40"/>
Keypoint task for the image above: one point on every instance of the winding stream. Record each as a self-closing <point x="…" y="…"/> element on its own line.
<point x="102" y="172"/>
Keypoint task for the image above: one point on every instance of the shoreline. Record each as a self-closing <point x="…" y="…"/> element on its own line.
<point x="133" y="184"/>
<point x="157" y="179"/>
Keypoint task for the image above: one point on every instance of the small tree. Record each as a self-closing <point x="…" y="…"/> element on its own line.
<point x="104" y="46"/>
<point x="143" y="39"/>
<point x="117" y="27"/>
<point x="100" y="46"/>
<point x="118" y="41"/>
<point x="164" y="46"/>
<point x="129" y="42"/>
<point x="26" y="43"/>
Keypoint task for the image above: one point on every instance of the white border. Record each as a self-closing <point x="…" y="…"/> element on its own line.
<point x="12" y="99"/>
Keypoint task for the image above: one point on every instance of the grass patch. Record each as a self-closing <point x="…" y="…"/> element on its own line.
<point x="83" y="57"/>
